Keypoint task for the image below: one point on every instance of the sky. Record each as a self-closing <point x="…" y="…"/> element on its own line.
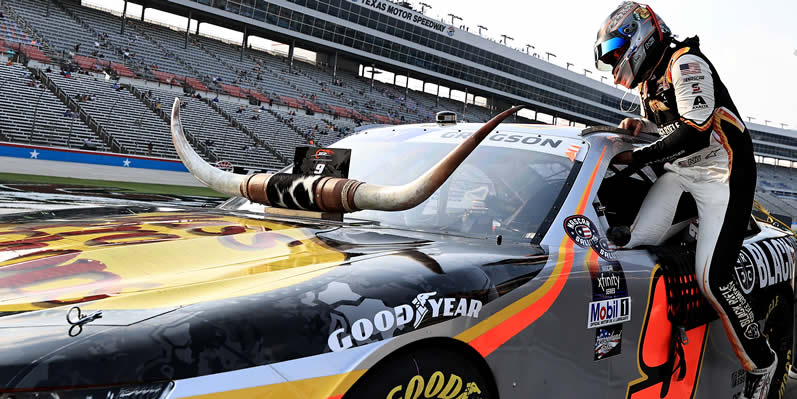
<point x="752" y="44"/>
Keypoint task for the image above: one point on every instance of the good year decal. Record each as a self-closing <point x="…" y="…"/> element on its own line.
<point x="402" y="315"/>
<point x="438" y="386"/>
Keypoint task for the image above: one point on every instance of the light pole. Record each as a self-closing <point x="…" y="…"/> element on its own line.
<point x="603" y="78"/>
<point x="480" y="29"/>
<point x="766" y="122"/>
<point x="35" y="113"/>
<point x="454" y="17"/>
<point x="783" y="125"/>
<point x="587" y="71"/>
<point x="569" y="64"/>
<point x="507" y="38"/>
<point x="424" y="6"/>
<point x="750" y="118"/>
<point x="71" y="124"/>
<point x="528" y="46"/>
<point x="549" y="56"/>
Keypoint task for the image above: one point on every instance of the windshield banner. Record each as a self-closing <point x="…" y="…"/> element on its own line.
<point x="561" y="146"/>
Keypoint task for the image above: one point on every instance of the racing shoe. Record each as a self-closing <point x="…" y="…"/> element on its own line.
<point x="756" y="385"/>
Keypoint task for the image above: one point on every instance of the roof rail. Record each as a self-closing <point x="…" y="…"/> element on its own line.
<point x="645" y="137"/>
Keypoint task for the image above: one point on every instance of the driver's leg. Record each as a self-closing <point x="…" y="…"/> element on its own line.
<point x="657" y="212"/>
<point x="723" y="211"/>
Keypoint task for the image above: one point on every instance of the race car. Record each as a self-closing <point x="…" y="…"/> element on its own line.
<point x="446" y="260"/>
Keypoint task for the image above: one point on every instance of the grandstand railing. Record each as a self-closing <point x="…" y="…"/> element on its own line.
<point x="248" y="132"/>
<point x="84" y="116"/>
<point x="163" y="115"/>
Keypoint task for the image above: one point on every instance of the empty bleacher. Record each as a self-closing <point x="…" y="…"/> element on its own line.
<point x="32" y="114"/>
<point x="777" y="189"/>
<point x="121" y="114"/>
<point x="78" y="37"/>
<point x="211" y="128"/>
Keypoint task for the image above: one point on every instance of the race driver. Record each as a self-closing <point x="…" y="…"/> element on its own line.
<point x="706" y="150"/>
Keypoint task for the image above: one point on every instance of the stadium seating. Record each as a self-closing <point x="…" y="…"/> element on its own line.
<point x="211" y="128"/>
<point x="777" y="189"/>
<point x="324" y="107"/>
<point x="126" y="118"/>
<point x="32" y="114"/>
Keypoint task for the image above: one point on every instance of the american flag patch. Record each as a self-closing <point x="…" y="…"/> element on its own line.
<point x="690" y="68"/>
<point x="584" y="231"/>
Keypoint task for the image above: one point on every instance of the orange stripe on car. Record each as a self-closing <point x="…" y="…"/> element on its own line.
<point x="497" y="329"/>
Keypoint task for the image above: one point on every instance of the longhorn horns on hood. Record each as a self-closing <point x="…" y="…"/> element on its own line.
<point x="322" y="193"/>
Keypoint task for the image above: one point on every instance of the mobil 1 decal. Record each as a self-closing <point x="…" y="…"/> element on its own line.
<point x="764" y="264"/>
<point x="609" y="312"/>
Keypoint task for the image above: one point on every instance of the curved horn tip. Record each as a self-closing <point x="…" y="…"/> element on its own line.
<point x="221" y="181"/>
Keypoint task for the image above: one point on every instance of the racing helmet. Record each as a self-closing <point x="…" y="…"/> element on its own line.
<point x="631" y="43"/>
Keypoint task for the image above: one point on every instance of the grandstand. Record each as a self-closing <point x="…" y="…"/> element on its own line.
<point x="82" y="76"/>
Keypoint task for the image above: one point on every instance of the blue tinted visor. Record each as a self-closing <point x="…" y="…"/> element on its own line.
<point x="609" y="52"/>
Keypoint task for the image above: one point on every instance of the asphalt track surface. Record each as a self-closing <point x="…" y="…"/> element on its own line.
<point x="99" y="172"/>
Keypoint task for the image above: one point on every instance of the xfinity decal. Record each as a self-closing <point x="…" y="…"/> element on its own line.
<point x="363" y="329"/>
<point x="608" y="282"/>
<point x="608" y="312"/>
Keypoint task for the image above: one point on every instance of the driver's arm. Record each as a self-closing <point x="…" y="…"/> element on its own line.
<point x="694" y="93"/>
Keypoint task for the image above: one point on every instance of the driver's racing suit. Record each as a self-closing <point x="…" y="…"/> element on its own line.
<point x="708" y="153"/>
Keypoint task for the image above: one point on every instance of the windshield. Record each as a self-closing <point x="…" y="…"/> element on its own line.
<point x="506" y="186"/>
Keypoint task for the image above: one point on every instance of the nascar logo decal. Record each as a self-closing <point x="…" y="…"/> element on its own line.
<point x="608" y="312"/>
<point x="581" y="230"/>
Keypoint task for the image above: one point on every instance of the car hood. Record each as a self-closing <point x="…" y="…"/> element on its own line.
<point x="189" y="292"/>
<point x="138" y="258"/>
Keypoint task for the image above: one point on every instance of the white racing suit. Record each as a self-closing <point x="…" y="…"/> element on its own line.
<point x="708" y="153"/>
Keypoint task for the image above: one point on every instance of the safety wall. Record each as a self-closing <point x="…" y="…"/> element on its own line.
<point x="89" y="157"/>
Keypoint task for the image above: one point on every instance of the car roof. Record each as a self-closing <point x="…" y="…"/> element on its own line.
<point x="594" y="134"/>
